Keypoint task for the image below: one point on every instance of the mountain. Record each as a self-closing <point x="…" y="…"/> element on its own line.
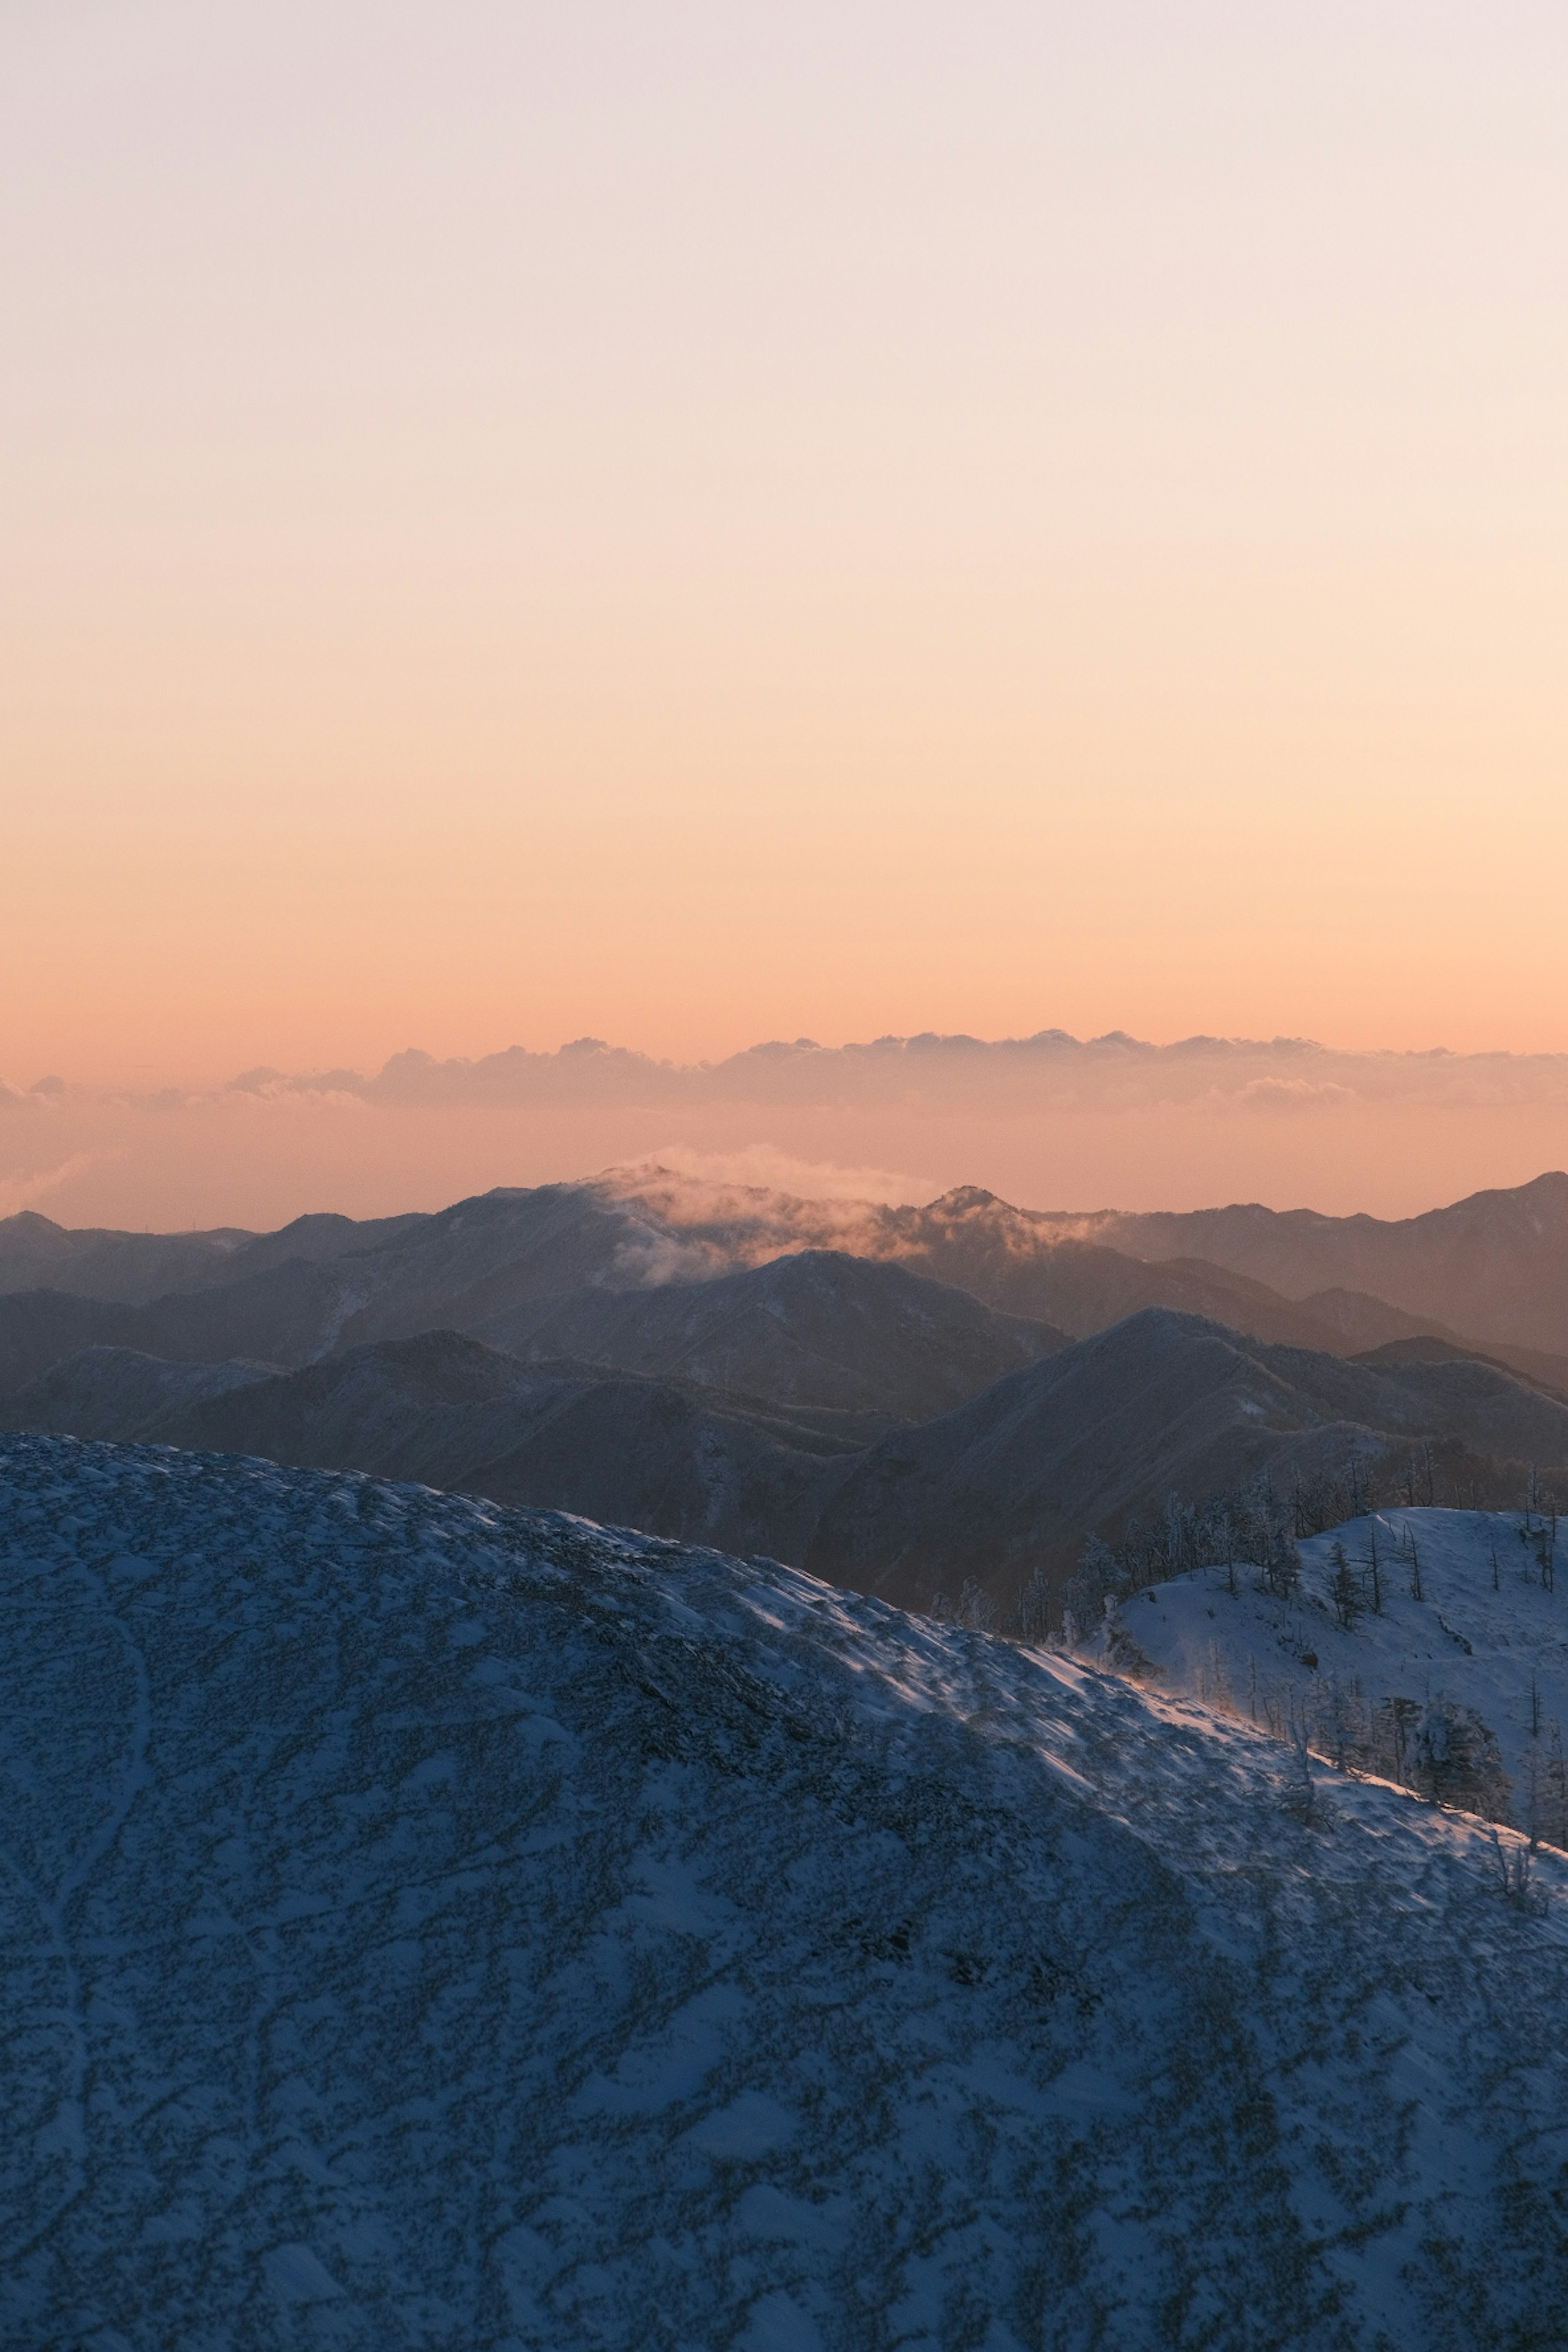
<point x="819" y="1327"/>
<point x="1364" y="1324"/>
<point x="1013" y="1481"/>
<point x="666" y="1455"/>
<point x="1361" y="1321"/>
<point x="130" y="1268"/>
<point x="432" y="1924"/>
<point x="504" y="1264"/>
<point x="118" y="1392"/>
<point x="1492" y="1269"/>
<point x="127" y="1269"/>
<point x="287" y="1314"/>
<point x="1495" y="1264"/>
<point x="1005" y="1484"/>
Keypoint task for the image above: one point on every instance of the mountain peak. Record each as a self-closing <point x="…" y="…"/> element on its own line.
<point x="966" y="1200"/>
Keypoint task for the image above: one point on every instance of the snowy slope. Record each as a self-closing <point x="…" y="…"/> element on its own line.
<point x="1501" y="1650"/>
<point x="429" y="1924"/>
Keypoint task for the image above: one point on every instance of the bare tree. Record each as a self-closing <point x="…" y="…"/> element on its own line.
<point x="1344" y="1587"/>
<point x="1513" y="1876"/>
<point x="1301" y="1790"/>
<point x="1415" y="1592"/>
<point x="1034" y="1607"/>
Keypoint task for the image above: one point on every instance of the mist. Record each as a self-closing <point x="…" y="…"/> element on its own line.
<point x="1048" y="1121"/>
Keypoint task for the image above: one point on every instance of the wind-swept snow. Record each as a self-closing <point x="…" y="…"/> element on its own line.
<point x="1466" y="1607"/>
<point x="429" y="1924"/>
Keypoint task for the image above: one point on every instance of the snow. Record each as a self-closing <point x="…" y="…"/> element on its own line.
<point x="1498" y="1647"/>
<point x="430" y="1925"/>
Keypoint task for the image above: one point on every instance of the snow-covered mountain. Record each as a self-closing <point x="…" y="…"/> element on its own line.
<point x="1401" y="1615"/>
<point x="429" y="1924"/>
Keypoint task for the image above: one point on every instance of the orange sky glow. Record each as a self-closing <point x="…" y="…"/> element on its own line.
<point x="720" y="523"/>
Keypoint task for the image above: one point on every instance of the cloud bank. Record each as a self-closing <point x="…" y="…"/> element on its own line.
<point x="1049" y="1121"/>
<point x="1016" y="1076"/>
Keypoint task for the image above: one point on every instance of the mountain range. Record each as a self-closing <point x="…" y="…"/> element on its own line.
<point x="1000" y="1489"/>
<point x="1492" y="1269"/>
<point x="1495" y="1265"/>
<point x="904" y="1399"/>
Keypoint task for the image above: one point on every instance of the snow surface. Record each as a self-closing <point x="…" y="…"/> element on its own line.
<point x="430" y="1925"/>
<point x="1501" y="1648"/>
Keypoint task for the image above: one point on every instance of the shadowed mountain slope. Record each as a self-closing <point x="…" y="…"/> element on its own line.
<point x="1519" y="1362"/>
<point x="1494" y="1265"/>
<point x="1008" y="1483"/>
<point x="287" y="1315"/>
<point x="1162" y="1403"/>
<point x="816" y="1328"/>
<point x="120" y="1393"/>
<point x="444" y="1409"/>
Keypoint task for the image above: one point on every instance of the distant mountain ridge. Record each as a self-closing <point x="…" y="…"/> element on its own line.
<point x="1495" y="1263"/>
<point x="902" y="1398"/>
<point x="815" y="1328"/>
<point x="326" y="1282"/>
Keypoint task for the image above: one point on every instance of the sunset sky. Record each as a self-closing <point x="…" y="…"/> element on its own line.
<point x="698" y="524"/>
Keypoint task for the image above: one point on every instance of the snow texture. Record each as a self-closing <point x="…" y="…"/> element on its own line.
<point x="1487" y="1633"/>
<point x="429" y="1924"/>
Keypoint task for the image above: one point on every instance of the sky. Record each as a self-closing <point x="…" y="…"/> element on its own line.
<point x="698" y="525"/>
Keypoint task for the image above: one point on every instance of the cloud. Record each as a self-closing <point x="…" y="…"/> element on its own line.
<point x="22" y="1192"/>
<point x="772" y="1169"/>
<point x="329" y="1088"/>
<point x="1049" y="1074"/>
<point x="39" y="1097"/>
<point x="1272" y="1094"/>
<point x="1049" y="1121"/>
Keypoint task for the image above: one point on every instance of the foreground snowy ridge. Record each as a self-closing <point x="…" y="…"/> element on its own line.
<point x="427" y="1925"/>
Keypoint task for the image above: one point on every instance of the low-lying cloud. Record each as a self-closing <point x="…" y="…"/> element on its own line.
<point x="25" y="1189"/>
<point x="765" y="1166"/>
<point x="1049" y="1121"/>
<point x="1005" y="1076"/>
<point x="1272" y="1094"/>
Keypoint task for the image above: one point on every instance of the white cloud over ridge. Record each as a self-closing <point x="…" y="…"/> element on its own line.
<point x="766" y="1167"/>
